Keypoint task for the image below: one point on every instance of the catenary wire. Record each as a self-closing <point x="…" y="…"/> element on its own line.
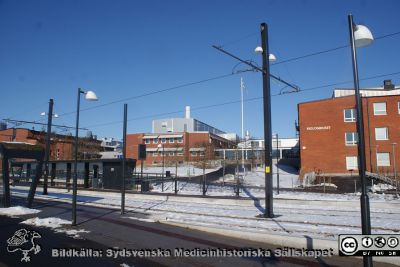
<point x="238" y="101"/>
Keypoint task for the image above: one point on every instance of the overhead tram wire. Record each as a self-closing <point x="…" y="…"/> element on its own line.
<point x="218" y="77"/>
<point x="238" y="101"/>
<point x="28" y="110"/>
<point x="328" y="50"/>
<point x="154" y="92"/>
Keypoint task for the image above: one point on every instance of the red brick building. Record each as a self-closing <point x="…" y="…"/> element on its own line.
<point x="183" y="146"/>
<point x="61" y="146"/>
<point x="328" y="135"/>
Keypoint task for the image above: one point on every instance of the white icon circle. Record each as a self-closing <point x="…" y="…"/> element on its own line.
<point x="380" y="242"/>
<point x="392" y="242"/>
<point x="349" y="245"/>
<point x="367" y="242"/>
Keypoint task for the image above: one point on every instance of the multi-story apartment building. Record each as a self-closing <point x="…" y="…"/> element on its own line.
<point x="328" y="134"/>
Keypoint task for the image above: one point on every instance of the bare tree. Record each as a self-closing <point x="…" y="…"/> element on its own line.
<point x="206" y="155"/>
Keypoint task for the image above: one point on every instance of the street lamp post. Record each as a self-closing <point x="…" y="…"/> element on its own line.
<point x="124" y="159"/>
<point x="267" y="109"/>
<point x="47" y="151"/>
<point x="267" y="122"/>
<point x="363" y="37"/>
<point x="241" y="94"/>
<point x="90" y="96"/>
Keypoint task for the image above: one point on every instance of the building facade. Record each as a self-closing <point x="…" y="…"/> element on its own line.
<point x="61" y="146"/>
<point x="176" y="147"/>
<point x="178" y="140"/>
<point x="328" y="134"/>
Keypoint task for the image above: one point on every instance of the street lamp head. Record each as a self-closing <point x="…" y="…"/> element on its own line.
<point x="43" y="114"/>
<point x="90" y="96"/>
<point x="272" y="58"/>
<point x="362" y="36"/>
<point x="55" y="115"/>
<point x="259" y="50"/>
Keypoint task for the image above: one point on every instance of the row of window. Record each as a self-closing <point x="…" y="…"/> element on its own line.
<point x="383" y="160"/>
<point x="379" y="109"/>
<point x="381" y="133"/>
<point x="160" y="153"/>
<point x="163" y="140"/>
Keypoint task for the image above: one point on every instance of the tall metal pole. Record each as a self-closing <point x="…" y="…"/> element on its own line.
<point x="75" y="180"/>
<point x="47" y="151"/>
<point x="364" y="200"/>
<point x="163" y="162"/>
<point x="241" y="93"/>
<point x="124" y="159"/>
<point x="277" y="161"/>
<point x="267" y="123"/>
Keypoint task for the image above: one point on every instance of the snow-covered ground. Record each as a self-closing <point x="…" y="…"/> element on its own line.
<point x="52" y="222"/>
<point x="183" y="171"/>
<point x="17" y="211"/>
<point x="296" y="215"/>
<point x="288" y="177"/>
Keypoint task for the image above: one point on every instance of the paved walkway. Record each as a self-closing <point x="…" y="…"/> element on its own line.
<point x="109" y="229"/>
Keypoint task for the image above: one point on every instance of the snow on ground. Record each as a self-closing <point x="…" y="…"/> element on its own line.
<point x="288" y="177"/>
<point x="17" y="211"/>
<point x="183" y="171"/>
<point x="295" y="214"/>
<point x="51" y="222"/>
<point x="72" y="232"/>
<point x="56" y="224"/>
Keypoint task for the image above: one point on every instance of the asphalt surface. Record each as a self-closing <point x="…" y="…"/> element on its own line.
<point x="109" y="229"/>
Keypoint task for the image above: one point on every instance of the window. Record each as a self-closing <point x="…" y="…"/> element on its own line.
<point x="193" y="153"/>
<point x="147" y="141"/>
<point x="349" y="115"/>
<point x="179" y="153"/>
<point x="179" y="140"/>
<point x="382" y="159"/>
<point x="351" y="139"/>
<point x="171" y="140"/>
<point x="381" y="133"/>
<point x="155" y="140"/>
<point x="380" y="108"/>
<point x="155" y="153"/>
<point x="351" y="163"/>
<point x="163" y="140"/>
<point x="172" y="153"/>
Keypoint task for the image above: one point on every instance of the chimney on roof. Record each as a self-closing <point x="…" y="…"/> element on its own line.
<point x="387" y="85"/>
<point x="187" y="112"/>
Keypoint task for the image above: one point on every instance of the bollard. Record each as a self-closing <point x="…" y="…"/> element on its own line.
<point x="237" y="187"/>
<point x="176" y="187"/>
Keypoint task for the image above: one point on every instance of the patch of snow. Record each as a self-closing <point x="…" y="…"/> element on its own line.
<point x="323" y="184"/>
<point x="17" y="211"/>
<point x="50" y="222"/>
<point x="72" y="232"/>
<point x="381" y="187"/>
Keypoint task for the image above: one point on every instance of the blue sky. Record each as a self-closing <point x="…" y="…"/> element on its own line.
<point x="122" y="49"/>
